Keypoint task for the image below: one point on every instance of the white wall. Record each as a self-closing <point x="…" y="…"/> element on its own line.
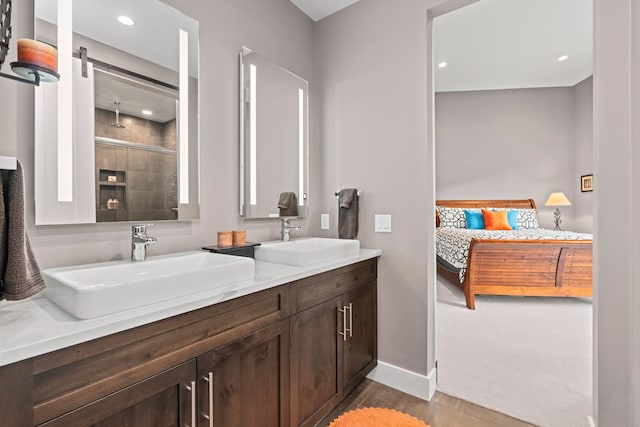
<point x="507" y="144"/>
<point x="276" y="29"/>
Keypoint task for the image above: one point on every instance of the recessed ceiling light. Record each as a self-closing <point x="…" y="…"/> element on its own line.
<point x="563" y="58"/>
<point x="125" y="20"/>
<point x="147" y="112"/>
<point x="442" y="64"/>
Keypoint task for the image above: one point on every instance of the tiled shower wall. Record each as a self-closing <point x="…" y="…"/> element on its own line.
<point x="136" y="129"/>
<point x="148" y="190"/>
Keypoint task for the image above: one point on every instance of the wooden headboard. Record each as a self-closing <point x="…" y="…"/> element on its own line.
<point x="515" y="204"/>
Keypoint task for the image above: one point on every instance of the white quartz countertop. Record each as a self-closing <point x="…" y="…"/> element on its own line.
<point x="37" y="326"/>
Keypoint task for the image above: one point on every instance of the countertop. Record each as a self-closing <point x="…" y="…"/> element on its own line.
<point x="37" y="326"/>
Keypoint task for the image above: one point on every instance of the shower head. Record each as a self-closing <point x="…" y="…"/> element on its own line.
<point x="117" y="123"/>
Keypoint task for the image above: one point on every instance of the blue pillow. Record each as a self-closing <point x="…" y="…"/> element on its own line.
<point x="474" y="220"/>
<point x="512" y="216"/>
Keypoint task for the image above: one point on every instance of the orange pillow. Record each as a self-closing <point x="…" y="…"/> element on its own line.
<point x="496" y="220"/>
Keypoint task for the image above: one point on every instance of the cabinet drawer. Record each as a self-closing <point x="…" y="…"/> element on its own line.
<point x="162" y="400"/>
<point x="74" y="376"/>
<point x="313" y="290"/>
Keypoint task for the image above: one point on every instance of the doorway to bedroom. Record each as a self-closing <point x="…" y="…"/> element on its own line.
<point x="514" y="123"/>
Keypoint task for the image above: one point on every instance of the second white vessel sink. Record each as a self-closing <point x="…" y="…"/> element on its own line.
<point x="92" y="290"/>
<point x="306" y="251"/>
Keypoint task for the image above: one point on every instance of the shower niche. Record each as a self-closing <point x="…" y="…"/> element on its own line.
<point x="111" y="195"/>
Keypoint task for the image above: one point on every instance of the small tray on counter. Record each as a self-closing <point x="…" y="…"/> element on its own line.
<point x="246" y="250"/>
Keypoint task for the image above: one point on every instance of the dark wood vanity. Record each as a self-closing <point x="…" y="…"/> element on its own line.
<point x="285" y="356"/>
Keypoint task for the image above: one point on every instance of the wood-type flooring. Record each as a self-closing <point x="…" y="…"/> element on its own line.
<point x="441" y="411"/>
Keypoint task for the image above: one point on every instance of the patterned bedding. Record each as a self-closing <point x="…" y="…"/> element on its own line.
<point x="452" y="244"/>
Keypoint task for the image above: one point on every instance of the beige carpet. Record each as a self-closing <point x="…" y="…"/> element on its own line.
<point x="527" y="357"/>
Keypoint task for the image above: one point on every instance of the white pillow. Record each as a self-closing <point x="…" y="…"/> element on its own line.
<point x="451" y="217"/>
<point x="527" y="218"/>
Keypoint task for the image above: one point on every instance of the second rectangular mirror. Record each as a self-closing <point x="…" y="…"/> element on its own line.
<point x="273" y="139"/>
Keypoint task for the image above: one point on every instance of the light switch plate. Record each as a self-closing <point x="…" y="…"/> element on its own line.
<point x="324" y="221"/>
<point x="383" y="223"/>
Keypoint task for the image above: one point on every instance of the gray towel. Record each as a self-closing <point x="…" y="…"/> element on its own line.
<point x="20" y="277"/>
<point x="288" y="204"/>
<point x="348" y="213"/>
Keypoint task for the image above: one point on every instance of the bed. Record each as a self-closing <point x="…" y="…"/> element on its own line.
<point x="548" y="264"/>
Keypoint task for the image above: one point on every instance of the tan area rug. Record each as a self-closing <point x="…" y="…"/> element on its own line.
<point x="376" y="417"/>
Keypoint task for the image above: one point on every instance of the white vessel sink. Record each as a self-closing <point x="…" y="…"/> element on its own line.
<point x="92" y="290"/>
<point x="301" y="252"/>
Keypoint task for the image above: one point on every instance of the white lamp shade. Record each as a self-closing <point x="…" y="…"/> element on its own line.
<point x="557" y="199"/>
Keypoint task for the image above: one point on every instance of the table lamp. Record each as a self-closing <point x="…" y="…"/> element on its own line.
<point x="555" y="200"/>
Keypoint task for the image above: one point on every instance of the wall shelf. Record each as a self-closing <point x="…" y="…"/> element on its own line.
<point x="113" y="184"/>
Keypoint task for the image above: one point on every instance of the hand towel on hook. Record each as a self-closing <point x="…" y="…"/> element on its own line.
<point x="288" y="204"/>
<point x="348" y="213"/>
<point x="20" y="276"/>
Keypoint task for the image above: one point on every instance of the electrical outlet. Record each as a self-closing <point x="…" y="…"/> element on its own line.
<point x="383" y="223"/>
<point x="324" y="221"/>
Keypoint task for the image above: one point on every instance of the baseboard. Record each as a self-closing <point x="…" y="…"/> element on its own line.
<point x="591" y="422"/>
<point x="422" y="386"/>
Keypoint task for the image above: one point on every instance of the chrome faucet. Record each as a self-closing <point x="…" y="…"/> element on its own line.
<point x="140" y="241"/>
<point x="286" y="229"/>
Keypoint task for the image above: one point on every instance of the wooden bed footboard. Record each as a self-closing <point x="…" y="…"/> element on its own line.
<point x="527" y="268"/>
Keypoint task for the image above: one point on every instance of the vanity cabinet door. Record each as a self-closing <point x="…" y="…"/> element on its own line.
<point x="166" y="399"/>
<point x="246" y="383"/>
<point x="360" y="347"/>
<point x="316" y="365"/>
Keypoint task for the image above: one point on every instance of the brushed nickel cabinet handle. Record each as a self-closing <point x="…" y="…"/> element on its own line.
<point x="192" y="389"/>
<point x="350" y="319"/>
<point x="344" y="322"/>
<point x="209" y="417"/>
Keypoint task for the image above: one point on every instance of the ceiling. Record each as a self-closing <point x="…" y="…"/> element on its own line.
<point x="502" y="44"/>
<point x="318" y="9"/>
<point x="153" y="37"/>
<point x="134" y="98"/>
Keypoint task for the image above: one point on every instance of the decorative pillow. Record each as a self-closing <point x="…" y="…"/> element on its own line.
<point x="495" y="220"/>
<point x="512" y="216"/>
<point x="474" y="220"/>
<point x="451" y="217"/>
<point x="527" y="218"/>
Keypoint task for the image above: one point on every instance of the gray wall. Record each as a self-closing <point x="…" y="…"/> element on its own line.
<point x="583" y="157"/>
<point x="371" y="71"/>
<point x="518" y="143"/>
<point x="507" y="144"/>
<point x="275" y="28"/>
<point x="617" y="236"/>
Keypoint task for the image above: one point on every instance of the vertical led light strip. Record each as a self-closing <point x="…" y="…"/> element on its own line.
<point x="184" y="117"/>
<point x="65" y="101"/>
<point x="301" y="147"/>
<point x="243" y="106"/>
<point x="253" y="199"/>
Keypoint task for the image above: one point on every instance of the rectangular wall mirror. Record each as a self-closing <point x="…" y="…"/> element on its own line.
<point x="117" y="139"/>
<point x="274" y="142"/>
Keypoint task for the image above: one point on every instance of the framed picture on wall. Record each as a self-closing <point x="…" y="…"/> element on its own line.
<point x="586" y="183"/>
